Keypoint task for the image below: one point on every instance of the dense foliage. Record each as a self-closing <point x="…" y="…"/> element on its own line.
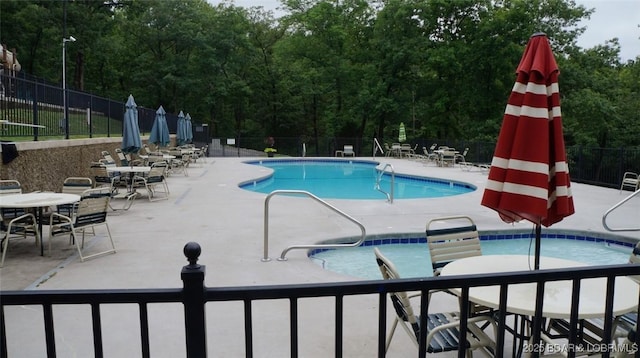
<point x="345" y="68"/>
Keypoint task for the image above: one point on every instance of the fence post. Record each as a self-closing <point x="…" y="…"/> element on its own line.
<point x="193" y="298"/>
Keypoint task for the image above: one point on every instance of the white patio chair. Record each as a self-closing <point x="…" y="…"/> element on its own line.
<point x="347" y="151"/>
<point x="630" y="180"/>
<point x="88" y="213"/>
<point x="443" y="328"/>
<point x="17" y="227"/>
<point x="154" y="182"/>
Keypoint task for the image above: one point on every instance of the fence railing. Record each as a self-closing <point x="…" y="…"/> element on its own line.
<point x="28" y="100"/>
<point x="31" y="101"/>
<point x="194" y="296"/>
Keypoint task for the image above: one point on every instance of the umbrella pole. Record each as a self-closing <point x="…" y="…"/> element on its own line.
<point x="537" y="250"/>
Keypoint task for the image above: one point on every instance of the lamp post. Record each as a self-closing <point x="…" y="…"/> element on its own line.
<point x="64" y="85"/>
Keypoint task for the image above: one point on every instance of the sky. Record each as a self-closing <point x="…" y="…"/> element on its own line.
<point x="612" y="18"/>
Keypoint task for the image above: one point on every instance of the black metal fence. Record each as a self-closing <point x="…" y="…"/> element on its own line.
<point x="194" y="296"/>
<point x="31" y="101"/>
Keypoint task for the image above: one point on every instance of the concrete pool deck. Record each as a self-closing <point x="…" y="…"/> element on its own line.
<point x="208" y="207"/>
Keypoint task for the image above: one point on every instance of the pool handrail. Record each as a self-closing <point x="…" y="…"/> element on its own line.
<point x="613" y="208"/>
<point x="393" y="178"/>
<point x="266" y="258"/>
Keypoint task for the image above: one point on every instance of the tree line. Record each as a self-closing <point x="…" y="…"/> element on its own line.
<point x="330" y="68"/>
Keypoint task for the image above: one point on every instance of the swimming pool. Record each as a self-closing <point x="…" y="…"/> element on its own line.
<point x="410" y="254"/>
<point x="348" y="179"/>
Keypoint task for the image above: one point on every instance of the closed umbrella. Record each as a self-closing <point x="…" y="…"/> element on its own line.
<point x="529" y="176"/>
<point x="131" y="142"/>
<point x="160" y="131"/>
<point x="181" y="133"/>
<point x="402" y="133"/>
<point x="188" y="128"/>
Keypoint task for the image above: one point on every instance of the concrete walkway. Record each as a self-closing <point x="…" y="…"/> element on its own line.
<point x="208" y="207"/>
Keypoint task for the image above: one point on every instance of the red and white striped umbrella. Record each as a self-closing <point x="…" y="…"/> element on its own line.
<point x="529" y="176"/>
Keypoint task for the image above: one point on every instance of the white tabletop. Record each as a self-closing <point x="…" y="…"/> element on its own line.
<point x="164" y="156"/>
<point x="34" y="200"/>
<point x="129" y="169"/>
<point x="557" y="295"/>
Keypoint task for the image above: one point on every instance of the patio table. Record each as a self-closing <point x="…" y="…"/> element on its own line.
<point x="38" y="201"/>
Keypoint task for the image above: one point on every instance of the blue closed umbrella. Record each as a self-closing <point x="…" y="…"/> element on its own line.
<point x="160" y="131"/>
<point x="131" y="142"/>
<point x="189" y="128"/>
<point x="181" y="131"/>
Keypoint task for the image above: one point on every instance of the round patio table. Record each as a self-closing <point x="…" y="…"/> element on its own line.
<point x="37" y="200"/>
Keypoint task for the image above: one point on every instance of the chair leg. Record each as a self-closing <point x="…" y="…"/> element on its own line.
<point x="391" y="332"/>
<point x="5" y="245"/>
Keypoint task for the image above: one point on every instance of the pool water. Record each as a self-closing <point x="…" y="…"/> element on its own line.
<point x="413" y="260"/>
<point x="349" y="179"/>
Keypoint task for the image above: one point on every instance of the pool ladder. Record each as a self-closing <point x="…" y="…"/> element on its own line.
<point x="266" y="258"/>
<point x="613" y="208"/>
<point x="393" y="178"/>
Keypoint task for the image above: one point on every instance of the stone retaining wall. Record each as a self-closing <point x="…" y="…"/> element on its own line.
<point x="45" y="165"/>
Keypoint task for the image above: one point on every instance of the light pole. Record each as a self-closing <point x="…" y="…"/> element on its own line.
<point x="64" y="85"/>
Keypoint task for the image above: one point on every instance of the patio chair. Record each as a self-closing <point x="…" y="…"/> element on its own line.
<point x="10" y="187"/>
<point x="453" y="241"/>
<point x="396" y="150"/>
<point x="630" y="180"/>
<point x="180" y="163"/>
<point x="442" y="328"/>
<point x="154" y="179"/>
<point x="17" y="227"/>
<point x="429" y="155"/>
<point x="347" y="151"/>
<point x="108" y="158"/>
<point x="111" y="182"/>
<point x="459" y="238"/>
<point x="387" y="150"/>
<point x="71" y="185"/>
<point x="121" y="157"/>
<point x="460" y="158"/>
<point x="101" y="177"/>
<point x="447" y="157"/>
<point x="88" y="213"/>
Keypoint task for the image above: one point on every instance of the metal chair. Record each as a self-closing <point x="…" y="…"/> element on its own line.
<point x="17" y="227"/>
<point x="154" y="179"/>
<point x="630" y="180"/>
<point x="88" y="213"/>
<point x="442" y="328"/>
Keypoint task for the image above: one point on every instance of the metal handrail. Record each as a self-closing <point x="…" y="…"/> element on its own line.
<point x="376" y="147"/>
<point x="266" y="258"/>
<point x="604" y="217"/>
<point x="393" y="178"/>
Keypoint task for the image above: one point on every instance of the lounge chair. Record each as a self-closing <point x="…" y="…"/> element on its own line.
<point x="460" y="158"/>
<point x="442" y="328"/>
<point x="429" y="155"/>
<point x="108" y="158"/>
<point x="630" y="180"/>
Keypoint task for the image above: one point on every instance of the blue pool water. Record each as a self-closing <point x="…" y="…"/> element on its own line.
<point x="412" y="257"/>
<point x="348" y="179"/>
